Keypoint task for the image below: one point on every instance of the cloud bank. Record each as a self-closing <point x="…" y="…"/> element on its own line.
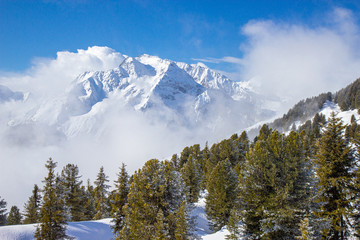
<point x="117" y="135"/>
<point x="294" y="61"/>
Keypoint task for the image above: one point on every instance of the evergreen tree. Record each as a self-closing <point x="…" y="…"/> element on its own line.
<point x="191" y="176"/>
<point x="222" y="190"/>
<point x="155" y="196"/>
<point x="89" y="205"/>
<point x="120" y="198"/>
<point x="233" y="225"/>
<point x="275" y="187"/>
<point x="356" y="195"/>
<point x="14" y="217"/>
<point x="74" y="196"/>
<point x="101" y="195"/>
<point x="183" y="222"/>
<point x="2" y="212"/>
<point x="53" y="218"/>
<point x="334" y="164"/>
<point x="160" y="227"/>
<point x="32" y="207"/>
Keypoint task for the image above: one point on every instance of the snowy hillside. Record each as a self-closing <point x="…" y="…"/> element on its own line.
<point x="101" y="229"/>
<point x="89" y="230"/>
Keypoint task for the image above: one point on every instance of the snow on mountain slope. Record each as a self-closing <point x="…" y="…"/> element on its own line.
<point x="7" y="95"/>
<point x="345" y="116"/>
<point x="176" y="93"/>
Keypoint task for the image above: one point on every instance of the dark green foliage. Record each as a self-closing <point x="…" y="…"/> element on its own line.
<point x="274" y="186"/>
<point x="155" y="197"/>
<point x="349" y="97"/>
<point x="334" y="163"/>
<point x="233" y="225"/>
<point x="101" y="195"/>
<point x="222" y="188"/>
<point x="119" y="199"/>
<point x="183" y="222"/>
<point x="74" y="195"/>
<point x="89" y="205"/>
<point x="191" y="175"/>
<point x="233" y="149"/>
<point x="352" y="131"/>
<point x="2" y="212"/>
<point x="312" y="128"/>
<point x="52" y="212"/>
<point x="32" y="207"/>
<point x="302" y="111"/>
<point x="14" y="217"/>
<point x="356" y="195"/>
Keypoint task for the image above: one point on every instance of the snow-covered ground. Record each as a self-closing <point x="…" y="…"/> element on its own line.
<point x="330" y="107"/>
<point x="87" y="230"/>
<point x="101" y="229"/>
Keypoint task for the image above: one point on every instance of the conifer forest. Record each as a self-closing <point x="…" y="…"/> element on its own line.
<point x="304" y="184"/>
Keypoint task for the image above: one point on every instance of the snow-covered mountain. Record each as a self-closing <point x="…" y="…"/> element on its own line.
<point x="177" y="94"/>
<point x="6" y="94"/>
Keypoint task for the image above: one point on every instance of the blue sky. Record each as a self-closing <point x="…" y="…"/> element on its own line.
<point x="177" y="30"/>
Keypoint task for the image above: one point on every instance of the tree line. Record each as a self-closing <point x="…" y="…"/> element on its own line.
<point x="301" y="185"/>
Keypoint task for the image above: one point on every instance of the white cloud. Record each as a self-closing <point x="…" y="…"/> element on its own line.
<point x="226" y="59"/>
<point x="51" y="76"/>
<point x="124" y="135"/>
<point x="297" y="61"/>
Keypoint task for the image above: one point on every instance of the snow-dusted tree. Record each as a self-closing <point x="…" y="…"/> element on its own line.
<point x="53" y="219"/>
<point x="275" y="186"/>
<point x="2" y="212"/>
<point x="101" y="195"/>
<point x="233" y="225"/>
<point x="15" y="216"/>
<point x="154" y="204"/>
<point x="335" y="163"/>
<point x="32" y="207"/>
<point x="184" y="223"/>
<point x="191" y="175"/>
<point x="89" y="205"/>
<point x="222" y="195"/>
<point x="73" y="193"/>
<point x="119" y="198"/>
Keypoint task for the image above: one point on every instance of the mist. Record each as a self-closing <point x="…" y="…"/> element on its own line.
<point x="283" y="61"/>
<point x="30" y="133"/>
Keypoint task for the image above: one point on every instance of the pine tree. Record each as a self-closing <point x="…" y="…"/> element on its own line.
<point x="14" y="217"/>
<point x="32" y="207"/>
<point x="334" y="163"/>
<point x="222" y="190"/>
<point x="183" y="223"/>
<point x="160" y="226"/>
<point x="53" y="218"/>
<point x="2" y="212"/>
<point x="156" y="193"/>
<point x="192" y="178"/>
<point x="74" y="196"/>
<point x="120" y="199"/>
<point x="89" y="205"/>
<point x="356" y="195"/>
<point x="101" y="195"/>
<point x="233" y="225"/>
<point x="275" y="187"/>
